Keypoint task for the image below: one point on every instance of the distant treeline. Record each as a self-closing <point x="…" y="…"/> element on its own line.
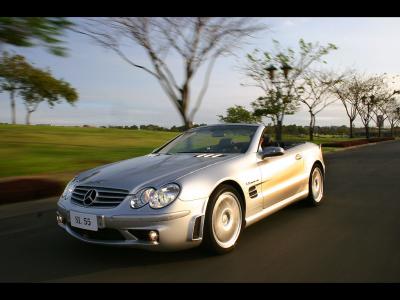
<point x="326" y="130"/>
<point x="153" y="127"/>
<point x="287" y="129"/>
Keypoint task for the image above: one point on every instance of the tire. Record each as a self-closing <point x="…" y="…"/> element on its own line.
<point x="315" y="186"/>
<point x="223" y="221"/>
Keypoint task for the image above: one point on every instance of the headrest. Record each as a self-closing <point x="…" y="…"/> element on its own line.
<point x="266" y="141"/>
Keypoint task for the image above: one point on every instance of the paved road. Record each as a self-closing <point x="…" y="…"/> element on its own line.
<point x="353" y="237"/>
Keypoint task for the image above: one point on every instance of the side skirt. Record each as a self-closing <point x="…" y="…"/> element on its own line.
<point x="274" y="208"/>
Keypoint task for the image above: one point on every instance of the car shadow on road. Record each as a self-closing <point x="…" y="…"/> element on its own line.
<point x="117" y="258"/>
<point x="46" y="253"/>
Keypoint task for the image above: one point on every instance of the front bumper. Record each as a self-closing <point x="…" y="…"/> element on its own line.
<point x="176" y="230"/>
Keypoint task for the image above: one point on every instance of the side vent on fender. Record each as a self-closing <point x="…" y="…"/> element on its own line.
<point x="196" y="235"/>
<point x="253" y="192"/>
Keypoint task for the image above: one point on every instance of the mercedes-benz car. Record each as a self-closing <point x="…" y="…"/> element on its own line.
<point x="201" y="188"/>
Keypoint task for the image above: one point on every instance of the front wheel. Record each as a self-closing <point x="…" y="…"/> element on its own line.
<point x="315" y="186"/>
<point x="224" y="220"/>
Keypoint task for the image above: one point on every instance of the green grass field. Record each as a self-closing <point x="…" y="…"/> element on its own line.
<point x="30" y="150"/>
<point x="59" y="152"/>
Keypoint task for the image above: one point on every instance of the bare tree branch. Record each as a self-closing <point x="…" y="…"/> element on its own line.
<point x="316" y="93"/>
<point x="204" y="88"/>
<point x="194" y="40"/>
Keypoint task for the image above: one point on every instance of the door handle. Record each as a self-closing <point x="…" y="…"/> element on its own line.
<point x="298" y="156"/>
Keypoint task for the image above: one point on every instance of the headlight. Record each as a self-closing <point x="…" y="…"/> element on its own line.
<point x="142" y="198"/>
<point x="165" y="195"/>
<point x="155" y="198"/>
<point x="69" y="189"/>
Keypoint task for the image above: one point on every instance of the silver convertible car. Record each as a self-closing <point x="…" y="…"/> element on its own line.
<point x="201" y="188"/>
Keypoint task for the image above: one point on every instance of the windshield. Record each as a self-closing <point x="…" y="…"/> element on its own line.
<point x="212" y="139"/>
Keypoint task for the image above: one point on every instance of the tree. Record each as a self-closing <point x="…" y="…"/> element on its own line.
<point x="41" y="86"/>
<point x="195" y="40"/>
<point x="13" y="73"/>
<point x="385" y="103"/>
<point x="316" y="93"/>
<point x="239" y="114"/>
<point x="279" y="87"/>
<point x="19" y="77"/>
<point x="349" y="91"/>
<point x="393" y="114"/>
<point x="34" y="31"/>
<point x="372" y="94"/>
<point x="269" y="107"/>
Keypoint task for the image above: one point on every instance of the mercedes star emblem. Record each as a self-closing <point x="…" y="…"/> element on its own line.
<point x="90" y="197"/>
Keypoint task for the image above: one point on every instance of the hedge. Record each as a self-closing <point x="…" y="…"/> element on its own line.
<point x="25" y="189"/>
<point x="351" y="143"/>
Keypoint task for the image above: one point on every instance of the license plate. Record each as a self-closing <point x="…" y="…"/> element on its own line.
<point x="84" y="221"/>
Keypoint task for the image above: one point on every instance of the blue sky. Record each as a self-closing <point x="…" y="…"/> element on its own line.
<point x="114" y="93"/>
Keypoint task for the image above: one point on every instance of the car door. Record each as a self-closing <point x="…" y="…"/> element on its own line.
<point x="281" y="176"/>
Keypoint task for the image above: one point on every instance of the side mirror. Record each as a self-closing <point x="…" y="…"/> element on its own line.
<point x="272" y="151"/>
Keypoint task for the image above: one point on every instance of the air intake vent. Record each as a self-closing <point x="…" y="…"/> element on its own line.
<point x="197" y="229"/>
<point x="253" y="192"/>
<point x="106" y="234"/>
<point x="210" y="155"/>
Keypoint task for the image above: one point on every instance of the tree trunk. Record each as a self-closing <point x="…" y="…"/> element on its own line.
<point x="391" y="130"/>
<point x="13" y="113"/>
<point x="379" y="131"/>
<point x="367" y="131"/>
<point x="186" y="121"/>
<point x="188" y="124"/>
<point x="28" y="117"/>
<point x="183" y="106"/>
<point x="278" y="131"/>
<point x="312" y="125"/>
<point x="351" y="128"/>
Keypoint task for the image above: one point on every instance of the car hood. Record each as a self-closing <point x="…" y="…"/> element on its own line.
<point x="150" y="170"/>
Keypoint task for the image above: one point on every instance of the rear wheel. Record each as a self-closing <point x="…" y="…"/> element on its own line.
<point x="224" y="220"/>
<point x="316" y="186"/>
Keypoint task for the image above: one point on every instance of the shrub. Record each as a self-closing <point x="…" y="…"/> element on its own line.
<point x="25" y="189"/>
<point x="344" y="144"/>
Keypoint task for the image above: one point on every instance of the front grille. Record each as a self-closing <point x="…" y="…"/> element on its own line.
<point x="106" y="234"/>
<point x="106" y="197"/>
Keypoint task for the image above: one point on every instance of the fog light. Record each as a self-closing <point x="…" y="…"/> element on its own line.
<point x="60" y="219"/>
<point x="153" y="236"/>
